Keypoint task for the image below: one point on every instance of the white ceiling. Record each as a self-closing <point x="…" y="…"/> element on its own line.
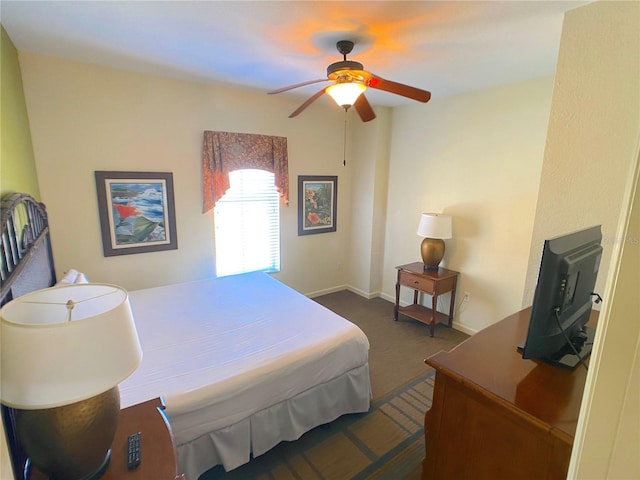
<point x="446" y="47"/>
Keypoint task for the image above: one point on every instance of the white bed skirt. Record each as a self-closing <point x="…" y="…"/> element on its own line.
<point x="234" y="445"/>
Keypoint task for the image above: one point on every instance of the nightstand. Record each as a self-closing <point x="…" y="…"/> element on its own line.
<point x="158" y="454"/>
<point x="431" y="282"/>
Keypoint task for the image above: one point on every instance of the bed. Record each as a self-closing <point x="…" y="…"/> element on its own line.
<point x="242" y="362"/>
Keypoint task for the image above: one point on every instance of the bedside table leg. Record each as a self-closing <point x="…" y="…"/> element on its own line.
<point x="453" y="301"/>
<point x="434" y="304"/>
<point x="397" y="305"/>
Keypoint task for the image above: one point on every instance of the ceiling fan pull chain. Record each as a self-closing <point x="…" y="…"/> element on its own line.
<point x="344" y="151"/>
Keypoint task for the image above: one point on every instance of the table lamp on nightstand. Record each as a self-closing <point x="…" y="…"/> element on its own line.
<point x="64" y="351"/>
<point x="434" y="227"/>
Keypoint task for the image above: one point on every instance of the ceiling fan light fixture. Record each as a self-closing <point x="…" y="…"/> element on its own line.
<point x="350" y="81"/>
<point x="346" y="94"/>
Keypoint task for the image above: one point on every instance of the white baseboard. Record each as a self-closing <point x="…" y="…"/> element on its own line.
<point x="366" y="295"/>
<point x="357" y="291"/>
<point x="463" y="328"/>
<point x="326" y="291"/>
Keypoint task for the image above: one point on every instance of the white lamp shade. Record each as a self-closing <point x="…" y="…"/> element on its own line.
<point x="49" y="361"/>
<point x="434" y="225"/>
<point x="346" y="94"/>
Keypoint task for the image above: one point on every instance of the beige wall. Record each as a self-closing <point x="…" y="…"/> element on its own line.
<point x="370" y="161"/>
<point x="618" y="370"/>
<point x="592" y="130"/>
<point x="86" y="118"/>
<point x="477" y="157"/>
<point x="589" y="176"/>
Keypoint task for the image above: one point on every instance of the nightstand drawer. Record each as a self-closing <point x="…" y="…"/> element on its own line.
<point x="417" y="282"/>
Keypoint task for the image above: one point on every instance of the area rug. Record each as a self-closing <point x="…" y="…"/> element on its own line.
<point x="386" y="443"/>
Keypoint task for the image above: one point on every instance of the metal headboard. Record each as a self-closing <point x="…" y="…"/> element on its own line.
<point x="26" y="259"/>
<point x="26" y="264"/>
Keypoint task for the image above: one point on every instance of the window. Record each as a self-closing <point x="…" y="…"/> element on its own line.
<point x="247" y="224"/>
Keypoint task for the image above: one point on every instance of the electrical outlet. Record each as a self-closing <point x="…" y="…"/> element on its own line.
<point x="467" y="297"/>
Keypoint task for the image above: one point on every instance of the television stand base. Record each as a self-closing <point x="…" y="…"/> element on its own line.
<point x="565" y="358"/>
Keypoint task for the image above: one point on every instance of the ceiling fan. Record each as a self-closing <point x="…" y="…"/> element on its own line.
<point x="350" y="81"/>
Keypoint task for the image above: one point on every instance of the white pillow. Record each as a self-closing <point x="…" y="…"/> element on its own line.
<point x="72" y="276"/>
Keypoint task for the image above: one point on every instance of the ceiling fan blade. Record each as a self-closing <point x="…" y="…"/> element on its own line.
<point x="291" y="87"/>
<point x="307" y="103"/>
<point x="399" y="89"/>
<point x="363" y="107"/>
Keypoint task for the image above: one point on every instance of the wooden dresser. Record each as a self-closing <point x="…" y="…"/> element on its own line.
<point x="496" y="416"/>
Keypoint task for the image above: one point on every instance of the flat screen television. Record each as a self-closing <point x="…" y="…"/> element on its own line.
<point x="563" y="299"/>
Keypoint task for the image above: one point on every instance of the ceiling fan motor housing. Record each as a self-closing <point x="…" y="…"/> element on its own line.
<point x="344" y="65"/>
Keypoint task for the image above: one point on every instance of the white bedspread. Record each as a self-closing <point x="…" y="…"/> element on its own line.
<point x="221" y="350"/>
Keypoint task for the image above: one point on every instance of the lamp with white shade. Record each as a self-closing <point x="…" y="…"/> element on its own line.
<point x="434" y="227"/>
<point x="64" y="351"/>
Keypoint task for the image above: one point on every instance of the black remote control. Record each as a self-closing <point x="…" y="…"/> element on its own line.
<point x="133" y="451"/>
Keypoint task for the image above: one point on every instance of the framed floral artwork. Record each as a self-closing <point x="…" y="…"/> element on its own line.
<point x="317" y="204"/>
<point x="137" y="212"/>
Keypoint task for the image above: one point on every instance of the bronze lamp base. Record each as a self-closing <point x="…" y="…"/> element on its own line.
<point x="432" y="251"/>
<point x="71" y="442"/>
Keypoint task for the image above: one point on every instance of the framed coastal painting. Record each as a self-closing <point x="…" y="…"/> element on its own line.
<point x="317" y="204"/>
<point x="137" y="212"/>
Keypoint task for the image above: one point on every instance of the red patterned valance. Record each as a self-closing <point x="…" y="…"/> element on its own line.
<point x="224" y="152"/>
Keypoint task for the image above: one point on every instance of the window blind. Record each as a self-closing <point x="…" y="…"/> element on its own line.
<point x="247" y="224"/>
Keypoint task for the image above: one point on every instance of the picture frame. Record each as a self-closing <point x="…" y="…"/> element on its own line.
<point x="137" y="212"/>
<point x="317" y="204"/>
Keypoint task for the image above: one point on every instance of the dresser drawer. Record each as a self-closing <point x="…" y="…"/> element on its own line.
<point x="416" y="282"/>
